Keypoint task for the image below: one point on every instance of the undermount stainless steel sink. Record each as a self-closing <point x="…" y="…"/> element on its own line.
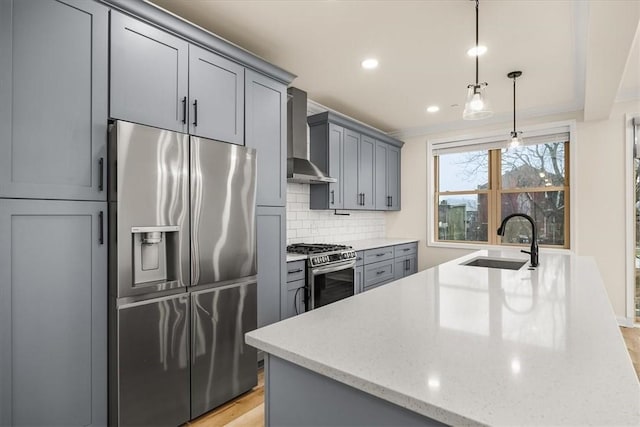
<point x="502" y="263"/>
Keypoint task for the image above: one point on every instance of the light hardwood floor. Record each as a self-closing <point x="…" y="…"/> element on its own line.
<point x="248" y="409"/>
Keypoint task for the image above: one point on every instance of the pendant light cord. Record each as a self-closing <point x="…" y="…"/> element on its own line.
<point x="477" y="25"/>
<point x="514" y="105"/>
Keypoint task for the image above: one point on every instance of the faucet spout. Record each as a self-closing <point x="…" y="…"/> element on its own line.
<point x="534" y="236"/>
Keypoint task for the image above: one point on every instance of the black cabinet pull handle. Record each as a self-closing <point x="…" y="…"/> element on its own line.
<point x="390" y="201"/>
<point x="379" y="272"/>
<point x="406" y="264"/>
<point x="101" y="228"/>
<point x="363" y="199"/>
<point x="333" y="200"/>
<point x="195" y="112"/>
<point x="406" y="249"/>
<point x="101" y="171"/>
<point x="294" y="271"/>
<point x="381" y="253"/>
<point x="184" y="110"/>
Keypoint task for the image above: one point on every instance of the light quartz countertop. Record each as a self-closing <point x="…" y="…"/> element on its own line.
<point x="471" y="345"/>
<point x="361" y="245"/>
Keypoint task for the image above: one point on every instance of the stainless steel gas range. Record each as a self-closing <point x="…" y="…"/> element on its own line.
<point x="329" y="272"/>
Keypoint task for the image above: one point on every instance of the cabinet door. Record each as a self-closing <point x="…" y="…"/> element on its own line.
<point x="53" y="313"/>
<point x="53" y="99"/>
<point x="292" y="299"/>
<point x="148" y="74"/>
<point x="382" y="200"/>
<point x="412" y="265"/>
<point x="352" y="198"/>
<point x="366" y="159"/>
<point x="222" y="364"/>
<point x="265" y="127"/>
<point x="272" y="271"/>
<point x="400" y="268"/>
<point x="216" y="97"/>
<point x="393" y="177"/>
<point x="336" y="136"/>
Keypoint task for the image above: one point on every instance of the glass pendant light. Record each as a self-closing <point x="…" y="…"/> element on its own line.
<point x="477" y="104"/>
<point x="516" y="138"/>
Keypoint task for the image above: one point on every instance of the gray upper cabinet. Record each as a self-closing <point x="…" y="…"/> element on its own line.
<point x="387" y="180"/>
<point x="272" y="272"/>
<point x="365" y="162"/>
<point x="265" y="130"/>
<point x="326" y="152"/>
<point x="359" y="155"/>
<point x="366" y="159"/>
<point x="352" y="197"/>
<point x="149" y="80"/>
<point x="53" y="313"/>
<point x="216" y="97"/>
<point x="393" y="177"/>
<point x="53" y="99"/>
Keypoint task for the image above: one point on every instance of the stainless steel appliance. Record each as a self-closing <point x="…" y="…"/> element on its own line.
<point x="182" y="266"/>
<point x="329" y="272"/>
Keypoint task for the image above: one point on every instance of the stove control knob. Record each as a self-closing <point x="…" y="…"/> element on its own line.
<point x="325" y="258"/>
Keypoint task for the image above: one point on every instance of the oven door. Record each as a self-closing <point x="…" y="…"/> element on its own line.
<point x="330" y="284"/>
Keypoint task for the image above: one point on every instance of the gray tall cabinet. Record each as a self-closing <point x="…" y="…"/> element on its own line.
<point x="265" y="121"/>
<point x="53" y="263"/>
<point x="66" y="67"/>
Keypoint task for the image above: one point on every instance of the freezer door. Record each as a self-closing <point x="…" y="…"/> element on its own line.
<point x="222" y="365"/>
<point x="153" y="362"/>
<point x="149" y="193"/>
<point x="223" y="199"/>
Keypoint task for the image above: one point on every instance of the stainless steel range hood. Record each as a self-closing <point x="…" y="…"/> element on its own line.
<point x="299" y="168"/>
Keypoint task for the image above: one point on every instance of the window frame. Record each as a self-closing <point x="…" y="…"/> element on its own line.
<point x="495" y="191"/>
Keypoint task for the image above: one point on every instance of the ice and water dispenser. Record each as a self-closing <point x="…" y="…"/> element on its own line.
<point x="155" y="255"/>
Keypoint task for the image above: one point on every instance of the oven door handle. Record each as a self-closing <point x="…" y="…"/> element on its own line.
<point x="332" y="268"/>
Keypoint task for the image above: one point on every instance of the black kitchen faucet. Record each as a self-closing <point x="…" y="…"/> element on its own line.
<point x="534" y="236"/>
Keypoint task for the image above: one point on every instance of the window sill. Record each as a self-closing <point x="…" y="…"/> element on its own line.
<point x="481" y="246"/>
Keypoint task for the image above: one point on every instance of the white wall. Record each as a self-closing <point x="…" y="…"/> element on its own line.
<point x="312" y="226"/>
<point x="598" y="184"/>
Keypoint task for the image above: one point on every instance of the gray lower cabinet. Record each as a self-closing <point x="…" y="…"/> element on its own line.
<point x="378" y="273"/>
<point x="53" y="99"/>
<point x="271" y="241"/>
<point x="265" y="130"/>
<point x="53" y="313"/>
<point x="293" y="291"/>
<point x="149" y="74"/>
<point x="405" y="266"/>
<point x="216" y="97"/>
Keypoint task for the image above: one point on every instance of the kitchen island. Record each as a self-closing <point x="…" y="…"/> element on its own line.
<point x="459" y="345"/>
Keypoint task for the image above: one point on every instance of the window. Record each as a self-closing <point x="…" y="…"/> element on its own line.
<point x="477" y="183"/>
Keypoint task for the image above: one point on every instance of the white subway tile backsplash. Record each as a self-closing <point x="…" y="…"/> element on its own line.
<point x="312" y="226"/>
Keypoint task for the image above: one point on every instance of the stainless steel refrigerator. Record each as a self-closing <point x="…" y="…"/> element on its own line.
<point x="182" y="274"/>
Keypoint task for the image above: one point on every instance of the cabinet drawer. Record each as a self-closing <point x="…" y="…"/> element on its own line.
<point x="378" y="254"/>
<point x="359" y="258"/>
<point x="378" y="272"/>
<point x="405" y="249"/>
<point x="295" y="270"/>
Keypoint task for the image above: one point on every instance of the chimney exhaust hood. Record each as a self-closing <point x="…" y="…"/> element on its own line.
<point x="299" y="168"/>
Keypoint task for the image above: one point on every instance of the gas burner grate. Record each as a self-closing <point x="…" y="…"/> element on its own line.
<point x="315" y="248"/>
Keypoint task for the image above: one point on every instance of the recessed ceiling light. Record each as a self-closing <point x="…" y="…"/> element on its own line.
<point x="370" y="63"/>
<point x="433" y="109"/>
<point x="480" y="50"/>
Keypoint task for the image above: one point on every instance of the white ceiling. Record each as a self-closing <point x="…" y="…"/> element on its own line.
<point x="421" y="46"/>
